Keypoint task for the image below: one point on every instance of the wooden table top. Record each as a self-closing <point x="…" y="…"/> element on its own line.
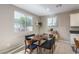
<point x="39" y="37"/>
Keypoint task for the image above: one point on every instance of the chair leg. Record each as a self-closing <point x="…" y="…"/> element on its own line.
<point x="52" y="50"/>
<point x="76" y="50"/>
<point x="54" y="46"/>
<point x="25" y="51"/>
<point x="37" y="50"/>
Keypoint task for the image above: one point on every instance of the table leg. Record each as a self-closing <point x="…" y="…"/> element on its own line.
<point x="39" y="42"/>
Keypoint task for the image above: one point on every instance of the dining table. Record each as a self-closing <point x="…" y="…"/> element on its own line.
<point x="39" y="38"/>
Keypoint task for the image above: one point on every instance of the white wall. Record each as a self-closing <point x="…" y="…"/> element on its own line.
<point x="8" y="38"/>
<point x="63" y="25"/>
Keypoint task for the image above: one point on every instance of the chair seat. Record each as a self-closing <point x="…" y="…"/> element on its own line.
<point x="47" y="44"/>
<point x="33" y="41"/>
<point x="33" y="46"/>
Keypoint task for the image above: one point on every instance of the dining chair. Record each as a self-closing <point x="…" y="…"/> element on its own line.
<point x="31" y="46"/>
<point x="49" y="45"/>
<point x="76" y="44"/>
<point x="29" y="37"/>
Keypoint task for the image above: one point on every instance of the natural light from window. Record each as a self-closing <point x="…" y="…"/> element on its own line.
<point x="22" y="23"/>
<point x="52" y="21"/>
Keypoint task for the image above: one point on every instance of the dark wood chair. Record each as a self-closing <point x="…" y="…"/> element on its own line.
<point x="28" y="37"/>
<point x="49" y="44"/>
<point x="76" y="44"/>
<point x="31" y="46"/>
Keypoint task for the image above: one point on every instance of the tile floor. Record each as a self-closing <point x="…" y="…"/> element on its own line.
<point x="62" y="47"/>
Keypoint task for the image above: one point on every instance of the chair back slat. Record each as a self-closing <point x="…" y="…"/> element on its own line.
<point x="27" y="36"/>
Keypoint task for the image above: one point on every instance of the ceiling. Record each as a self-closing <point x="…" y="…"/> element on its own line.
<point x="47" y="9"/>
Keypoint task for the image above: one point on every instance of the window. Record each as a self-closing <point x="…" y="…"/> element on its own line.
<point x="52" y="21"/>
<point x="22" y="22"/>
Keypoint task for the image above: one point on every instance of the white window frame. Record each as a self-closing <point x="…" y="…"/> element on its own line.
<point x="26" y="27"/>
<point x="52" y="21"/>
